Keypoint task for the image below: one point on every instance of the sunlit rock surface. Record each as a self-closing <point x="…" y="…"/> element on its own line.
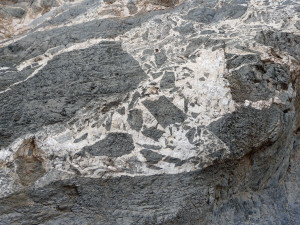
<point x="149" y="112"/>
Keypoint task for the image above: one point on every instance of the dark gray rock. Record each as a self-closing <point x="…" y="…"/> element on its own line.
<point x="297" y="24"/>
<point x="83" y="137"/>
<point x="228" y="193"/>
<point x="204" y="42"/>
<point x="166" y="115"/>
<point x="167" y="3"/>
<point x="16" y="12"/>
<point x="208" y="32"/>
<point x="286" y="42"/>
<point x="256" y="80"/>
<point x="113" y="145"/>
<point x="109" y="122"/>
<point x="202" y="15"/>
<point x="248" y="129"/>
<point x="121" y="111"/>
<point x="176" y="161"/>
<point x="132" y="8"/>
<point x="67" y="83"/>
<point x="134" y="99"/>
<point x="190" y="134"/>
<point x="230" y="11"/>
<point x="109" y="1"/>
<point x="59" y="36"/>
<point x="160" y="57"/>
<point x="186" y="29"/>
<point x="48" y="3"/>
<point x="151" y="156"/>
<point x="110" y="105"/>
<point x="152" y="133"/>
<point x="135" y="119"/>
<point x="256" y="184"/>
<point x="37" y="43"/>
<point x="156" y="75"/>
<point x="12" y="76"/>
<point x="167" y="81"/>
<point x="150" y="166"/>
<point x="238" y="60"/>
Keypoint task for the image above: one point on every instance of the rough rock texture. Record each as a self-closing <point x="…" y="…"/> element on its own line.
<point x="149" y="112"/>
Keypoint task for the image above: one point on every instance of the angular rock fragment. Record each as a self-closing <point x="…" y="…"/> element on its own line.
<point x="167" y="81"/>
<point x="152" y="133"/>
<point x="151" y="156"/>
<point x="113" y="145"/>
<point x="160" y="57"/>
<point x="164" y="111"/>
<point x="135" y="119"/>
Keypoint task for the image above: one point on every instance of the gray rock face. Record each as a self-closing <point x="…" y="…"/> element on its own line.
<point x="149" y="112"/>
<point x="164" y="111"/>
<point x="67" y="83"/>
<point x="114" y="145"/>
<point x="135" y="119"/>
<point x="151" y="157"/>
<point x="257" y="81"/>
<point x="152" y="133"/>
<point x="167" y="81"/>
<point x="248" y="129"/>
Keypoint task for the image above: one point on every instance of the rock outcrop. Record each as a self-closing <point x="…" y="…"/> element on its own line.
<point x="149" y="112"/>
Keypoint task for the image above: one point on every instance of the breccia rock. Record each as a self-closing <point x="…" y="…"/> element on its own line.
<point x="149" y="112"/>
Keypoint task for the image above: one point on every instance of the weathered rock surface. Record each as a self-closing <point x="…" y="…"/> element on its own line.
<point x="149" y="112"/>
